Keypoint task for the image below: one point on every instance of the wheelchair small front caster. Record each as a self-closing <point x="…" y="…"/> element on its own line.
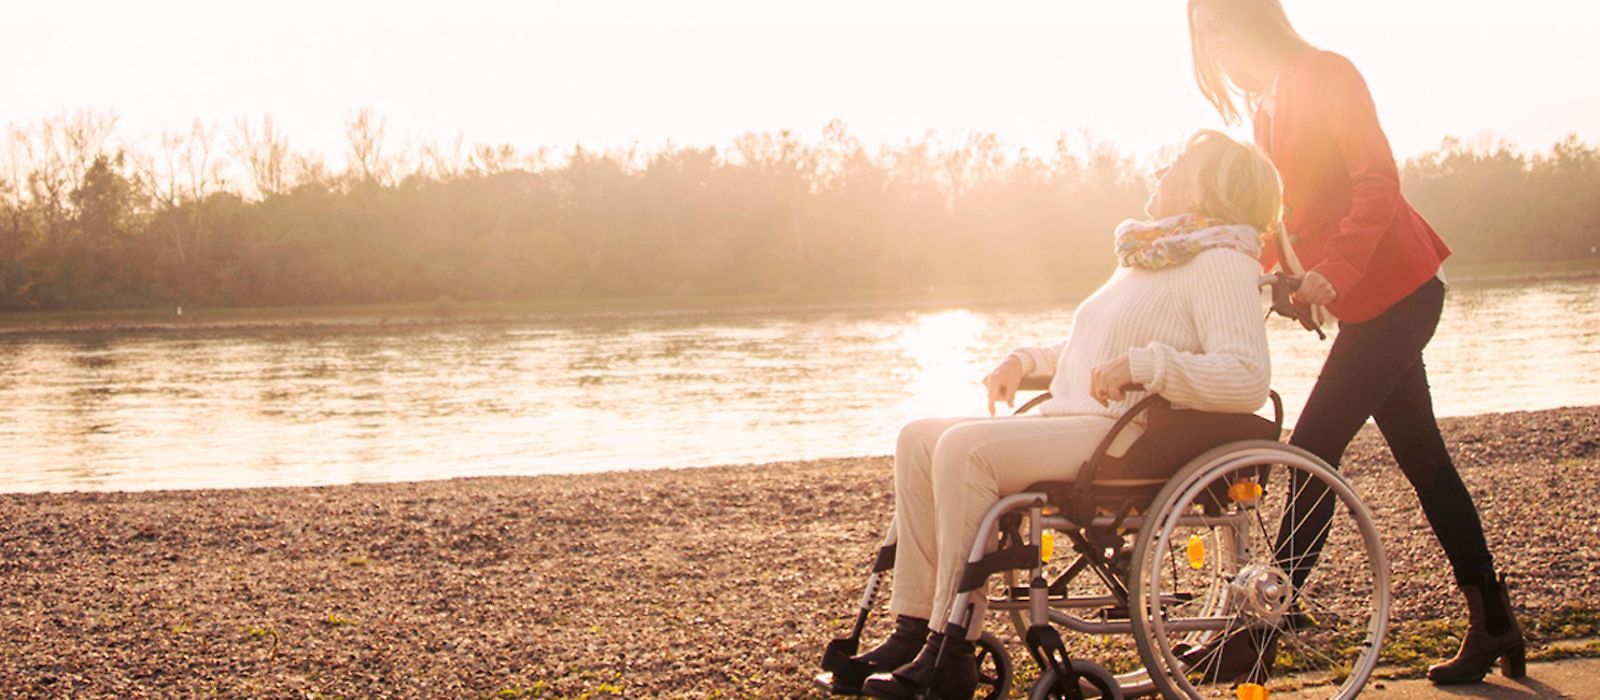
<point x="994" y="668"/>
<point x="1094" y="681"/>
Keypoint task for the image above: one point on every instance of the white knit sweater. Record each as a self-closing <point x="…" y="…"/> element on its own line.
<point x="1193" y="333"/>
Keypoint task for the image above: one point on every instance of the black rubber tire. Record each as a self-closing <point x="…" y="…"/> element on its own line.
<point x="1092" y="674"/>
<point x="995" y="685"/>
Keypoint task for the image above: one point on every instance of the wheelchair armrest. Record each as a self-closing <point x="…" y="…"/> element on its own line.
<point x="1035" y="383"/>
<point x="1087" y="473"/>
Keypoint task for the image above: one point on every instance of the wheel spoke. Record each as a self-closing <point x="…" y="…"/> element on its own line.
<point x="1294" y="529"/>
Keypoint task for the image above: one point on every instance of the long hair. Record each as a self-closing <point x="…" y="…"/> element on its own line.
<point x="1262" y="23"/>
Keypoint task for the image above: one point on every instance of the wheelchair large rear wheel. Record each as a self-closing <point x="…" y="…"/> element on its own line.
<point x="1259" y="564"/>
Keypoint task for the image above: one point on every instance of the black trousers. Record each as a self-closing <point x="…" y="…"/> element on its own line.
<point x="1375" y="370"/>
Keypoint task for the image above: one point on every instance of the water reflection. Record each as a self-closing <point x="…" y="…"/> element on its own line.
<point x="332" y="405"/>
<point x="943" y="347"/>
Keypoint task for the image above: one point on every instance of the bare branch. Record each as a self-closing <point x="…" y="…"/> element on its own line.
<point x="364" y="133"/>
<point x="265" y="155"/>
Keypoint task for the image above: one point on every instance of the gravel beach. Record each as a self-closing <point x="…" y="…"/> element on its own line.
<point x="707" y="582"/>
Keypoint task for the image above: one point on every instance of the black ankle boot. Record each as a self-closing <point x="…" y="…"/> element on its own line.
<point x="1492" y="633"/>
<point x="953" y="677"/>
<point x="910" y="634"/>
<point x="849" y="673"/>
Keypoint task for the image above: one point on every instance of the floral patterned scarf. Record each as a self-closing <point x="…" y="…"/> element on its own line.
<point x="1175" y="240"/>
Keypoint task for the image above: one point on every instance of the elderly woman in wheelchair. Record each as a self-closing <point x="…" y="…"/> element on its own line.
<point x="1167" y="360"/>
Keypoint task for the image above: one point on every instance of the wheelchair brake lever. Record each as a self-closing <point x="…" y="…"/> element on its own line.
<point x="1283" y="289"/>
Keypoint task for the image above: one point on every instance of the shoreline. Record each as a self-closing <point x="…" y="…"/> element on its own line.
<point x="685" y="582"/>
<point x="643" y="472"/>
<point x="446" y="312"/>
<point x="506" y="311"/>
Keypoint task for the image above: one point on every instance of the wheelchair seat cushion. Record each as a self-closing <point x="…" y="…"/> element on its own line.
<point x="1172" y="438"/>
<point x="1175" y="436"/>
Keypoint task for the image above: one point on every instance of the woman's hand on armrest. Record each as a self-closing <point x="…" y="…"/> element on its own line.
<point x="1003" y="382"/>
<point x="1106" y="381"/>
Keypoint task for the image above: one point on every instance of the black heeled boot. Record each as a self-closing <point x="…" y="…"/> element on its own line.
<point x="955" y="676"/>
<point x="1492" y="633"/>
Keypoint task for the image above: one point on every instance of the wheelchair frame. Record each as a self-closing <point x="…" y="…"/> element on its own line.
<point x="1096" y="518"/>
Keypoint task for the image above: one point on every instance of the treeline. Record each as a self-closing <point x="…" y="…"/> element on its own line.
<point x="1493" y="204"/>
<point x="235" y="217"/>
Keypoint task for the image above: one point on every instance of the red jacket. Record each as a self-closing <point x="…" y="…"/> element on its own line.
<point x="1343" y="210"/>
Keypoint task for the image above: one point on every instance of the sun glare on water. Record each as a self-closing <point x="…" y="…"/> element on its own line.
<point x="946" y="349"/>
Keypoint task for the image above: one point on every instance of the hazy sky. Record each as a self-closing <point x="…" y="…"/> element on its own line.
<point x="608" y="73"/>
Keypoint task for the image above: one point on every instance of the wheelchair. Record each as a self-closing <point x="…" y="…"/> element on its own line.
<point x="1240" y="566"/>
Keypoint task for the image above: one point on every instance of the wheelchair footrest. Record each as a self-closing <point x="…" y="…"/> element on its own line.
<point x="827" y="681"/>
<point x="844" y="674"/>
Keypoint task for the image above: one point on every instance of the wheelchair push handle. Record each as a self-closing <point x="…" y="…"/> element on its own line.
<point x="1283" y="288"/>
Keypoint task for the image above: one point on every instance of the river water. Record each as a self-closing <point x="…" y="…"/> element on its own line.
<point x="565" y="394"/>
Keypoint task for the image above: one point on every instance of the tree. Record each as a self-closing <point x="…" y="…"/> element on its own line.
<point x="364" y="134"/>
<point x="265" y="155"/>
<point x="102" y="201"/>
<point x="85" y="135"/>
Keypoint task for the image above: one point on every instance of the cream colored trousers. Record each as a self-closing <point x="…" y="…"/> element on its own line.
<point x="949" y="471"/>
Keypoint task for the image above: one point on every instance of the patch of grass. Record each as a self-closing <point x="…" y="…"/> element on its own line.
<point x="181" y="628"/>
<point x="1025" y="675"/>
<point x="337" y="620"/>
<point x="537" y="690"/>
<point x="262" y="633"/>
<point x="1566" y="649"/>
<point x="356" y="561"/>
<point x="609" y="685"/>
<point x="604" y="690"/>
<point x="1411" y="647"/>
<point x="1566" y="623"/>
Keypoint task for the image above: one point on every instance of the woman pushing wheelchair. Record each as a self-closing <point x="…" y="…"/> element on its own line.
<point x="1180" y="317"/>
<point x="1377" y="265"/>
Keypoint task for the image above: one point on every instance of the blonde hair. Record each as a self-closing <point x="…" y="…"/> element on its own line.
<point x="1233" y="181"/>
<point x="1262" y="22"/>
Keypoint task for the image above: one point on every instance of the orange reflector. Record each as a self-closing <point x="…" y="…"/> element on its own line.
<point x="1197" y="552"/>
<point x="1244" y="491"/>
<point x="1047" y="546"/>
<point x="1251" y="691"/>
